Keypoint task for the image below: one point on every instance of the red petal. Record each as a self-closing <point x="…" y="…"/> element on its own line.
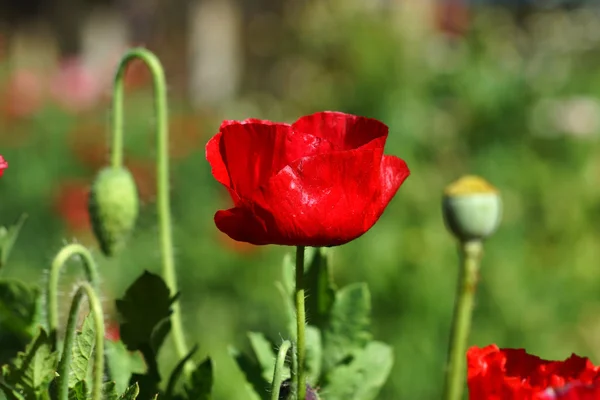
<point x="215" y="159"/>
<point x="252" y="153"/>
<point x="323" y="200"/>
<point x="229" y="122"/>
<point x="345" y="131"/>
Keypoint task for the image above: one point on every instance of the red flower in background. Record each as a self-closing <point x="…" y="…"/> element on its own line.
<point x="512" y="374"/>
<point x="71" y="205"/>
<point x="3" y="165"/>
<point x="321" y="181"/>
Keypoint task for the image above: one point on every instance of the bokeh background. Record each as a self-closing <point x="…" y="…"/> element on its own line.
<point x="505" y="89"/>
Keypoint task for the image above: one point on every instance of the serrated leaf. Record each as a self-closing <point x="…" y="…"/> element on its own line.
<point x="145" y="305"/>
<point x="19" y="306"/>
<point x="314" y="354"/>
<point x="78" y="391"/>
<point x="201" y="382"/>
<point x="10" y="392"/>
<point x="83" y="348"/>
<point x="109" y="391"/>
<point x="169" y="394"/>
<point x="148" y="384"/>
<point x="363" y="377"/>
<point x="122" y="363"/>
<point x="34" y="369"/>
<point x="348" y="327"/>
<point x="264" y="352"/>
<point x="8" y="237"/>
<point x="320" y="289"/>
<point x="255" y="383"/>
<point x="159" y="333"/>
<point x="131" y="393"/>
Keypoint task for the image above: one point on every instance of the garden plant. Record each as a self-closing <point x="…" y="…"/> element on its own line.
<point x="313" y="185"/>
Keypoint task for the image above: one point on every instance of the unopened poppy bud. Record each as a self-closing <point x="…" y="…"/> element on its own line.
<point x="472" y="208"/>
<point x="113" y="206"/>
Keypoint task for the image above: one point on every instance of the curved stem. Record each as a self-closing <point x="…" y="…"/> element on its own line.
<point x="471" y="252"/>
<point x="163" y="203"/>
<point x="278" y="372"/>
<point x="59" y="261"/>
<point x="300" y="322"/>
<point x="64" y="365"/>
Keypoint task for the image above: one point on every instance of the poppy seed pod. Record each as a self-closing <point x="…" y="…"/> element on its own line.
<point x="113" y="206"/>
<point x="472" y="208"/>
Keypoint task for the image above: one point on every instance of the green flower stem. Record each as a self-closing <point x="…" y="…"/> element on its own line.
<point x="64" y="365"/>
<point x="163" y="203"/>
<point x="300" y="323"/>
<point x="470" y="252"/>
<point x="278" y="372"/>
<point x="59" y="261"/>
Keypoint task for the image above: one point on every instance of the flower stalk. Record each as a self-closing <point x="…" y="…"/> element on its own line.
<point x="64" y="366"/>
<point x="163" y="201"/>
<point x="470" y="254"/>
<point x="278" y="372"/>
<point x="300" y="324"/>
<point x="91" y="274"/>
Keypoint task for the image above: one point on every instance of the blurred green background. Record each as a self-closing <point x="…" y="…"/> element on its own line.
<point x="507" y="91"/>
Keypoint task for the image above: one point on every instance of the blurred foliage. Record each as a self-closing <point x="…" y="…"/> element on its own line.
<point x="514" y="102"/>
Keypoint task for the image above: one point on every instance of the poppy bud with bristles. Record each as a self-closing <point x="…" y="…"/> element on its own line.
<point x="472" y="208"/>
<point x="114" y="207"/>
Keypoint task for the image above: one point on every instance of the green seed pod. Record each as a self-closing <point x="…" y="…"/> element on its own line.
<point x="114" y="207"/>
<point x="472" y="208"/>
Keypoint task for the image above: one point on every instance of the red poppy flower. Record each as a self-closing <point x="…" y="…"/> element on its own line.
<point x="321" y="181"/>
<point x="512" y="374"/>
<point x="3" y="165"/>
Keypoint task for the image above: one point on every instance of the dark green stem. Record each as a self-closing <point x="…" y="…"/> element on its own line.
<point x="64" y="366"/>
<point x="163" y="201"/>
<point x="470" y="252"/>
<point x="300" y="323"/>
<point x="91" y="274"/>
<point x="278" y="372"/>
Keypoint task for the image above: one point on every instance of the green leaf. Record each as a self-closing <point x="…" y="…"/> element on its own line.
<point x="159" y="333"/>
<point x="145" y="306"/>
<point x="314" y="354"/>
<point x="10" y="392"/>
<point x="34" y="369"/>
<point x="122" y="363"/>
<point x="265" y="354"/>
<point x="131" y="393"/>
<point x="78" y="391"/>
<point x="83" y="348"/>
<point x="19" y="307"/>
<point x="320" y="289"/>
<point x="255" y="383"/>
<point x="109" y="391"/>
<point x="8" y="237"/>
<point x="348" y="328"/>
<point x="363" y="377"/>
<point x="169" y="394"/>
<point x="201" y="382"/>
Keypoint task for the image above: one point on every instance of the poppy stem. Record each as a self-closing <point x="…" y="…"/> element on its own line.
<point x="64" y="366"/>
<point x="470" y="253"/>
<point x="163" y="201"/>
<point x="278" y="372"/>
<point x="91" y="274"/>
<point x="300" y="323"/>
